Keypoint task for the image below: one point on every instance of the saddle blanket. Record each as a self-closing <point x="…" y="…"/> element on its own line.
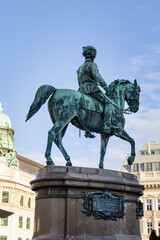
<point x="89" y="103"/>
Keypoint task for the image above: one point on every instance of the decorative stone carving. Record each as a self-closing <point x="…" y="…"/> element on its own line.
<point x="11" y="158"/>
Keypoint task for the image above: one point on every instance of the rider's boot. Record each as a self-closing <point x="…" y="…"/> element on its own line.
<point x="89" y="135"/>
<point x="108" y="126"/>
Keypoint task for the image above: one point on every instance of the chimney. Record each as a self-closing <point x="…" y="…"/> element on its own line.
<point x="148" y="148"/>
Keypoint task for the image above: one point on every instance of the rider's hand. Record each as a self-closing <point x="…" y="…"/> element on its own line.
<point x="106" y="88"/>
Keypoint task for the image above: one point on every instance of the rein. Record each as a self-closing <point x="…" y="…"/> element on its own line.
<point x="126" y="110"/>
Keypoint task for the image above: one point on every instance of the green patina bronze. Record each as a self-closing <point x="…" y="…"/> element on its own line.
<point x="88" y="109"/>
<point x="89" y="80"/>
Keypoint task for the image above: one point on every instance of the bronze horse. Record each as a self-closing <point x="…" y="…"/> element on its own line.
<point x="86" y="113"/>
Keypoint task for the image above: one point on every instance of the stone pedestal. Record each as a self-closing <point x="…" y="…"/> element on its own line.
<point x="58" y="209"/>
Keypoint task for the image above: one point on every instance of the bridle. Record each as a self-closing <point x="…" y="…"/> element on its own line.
<point x="126" y="110"/>
<point x="134" y="92"/>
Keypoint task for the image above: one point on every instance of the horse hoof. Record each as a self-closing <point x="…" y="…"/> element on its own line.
<point x="101" y="166"/>
<point x="130" y="160"/>
<point x="68" y="164"/>
<point x="50" y="163"/>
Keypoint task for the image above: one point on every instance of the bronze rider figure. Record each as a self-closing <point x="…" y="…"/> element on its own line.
<point x="89" y="80"/>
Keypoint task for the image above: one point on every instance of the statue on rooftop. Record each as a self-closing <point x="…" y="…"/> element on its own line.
<point x="88" y="109"/>
<point x="11" y="158"/>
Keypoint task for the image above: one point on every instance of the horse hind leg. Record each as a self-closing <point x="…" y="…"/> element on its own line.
<point x="55" y="135"/>
<point x="58" y="142"/>
<point x="52" y="134"/>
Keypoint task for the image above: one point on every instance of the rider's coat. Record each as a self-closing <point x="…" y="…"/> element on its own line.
<point x="89" y="78"/>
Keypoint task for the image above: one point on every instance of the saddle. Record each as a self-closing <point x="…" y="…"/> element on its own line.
<point x="89" y="103"/>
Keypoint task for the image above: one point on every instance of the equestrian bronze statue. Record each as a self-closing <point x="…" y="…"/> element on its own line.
<point x="88" y="109"/>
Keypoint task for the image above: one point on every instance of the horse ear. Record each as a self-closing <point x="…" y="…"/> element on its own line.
<point x="135" y="82"/>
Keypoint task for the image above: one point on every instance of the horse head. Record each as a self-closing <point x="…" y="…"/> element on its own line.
<point x="132" y="96"/>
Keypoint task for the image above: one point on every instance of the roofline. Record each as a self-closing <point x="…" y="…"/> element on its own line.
<point x="20" y="157"/>
<point x="11" y="129"/>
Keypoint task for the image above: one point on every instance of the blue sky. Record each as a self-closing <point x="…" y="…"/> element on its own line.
<point x="41" y="43"/>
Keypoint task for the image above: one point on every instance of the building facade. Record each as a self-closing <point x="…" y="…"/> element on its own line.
<point x="16" y="196"/>
<point x="147" y="168"/>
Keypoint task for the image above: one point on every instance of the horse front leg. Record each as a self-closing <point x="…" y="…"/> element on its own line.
<point x="124" y="135"/>
<point x="104" y="142"/>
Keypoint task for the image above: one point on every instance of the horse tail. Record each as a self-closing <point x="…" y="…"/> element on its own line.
<point x="41" y="97"/>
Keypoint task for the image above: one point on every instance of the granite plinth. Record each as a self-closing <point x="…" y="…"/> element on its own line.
<point x="58" y="209"/>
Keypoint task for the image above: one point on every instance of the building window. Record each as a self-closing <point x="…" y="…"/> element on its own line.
<point x="22" y="200"/>
<point x="148" y="167"/>
<point x="142" y="153"/>
<point x="158" y="205"/>
<point x="28" y="223"/>
<point x="20" y="221"/>
<point x="149" y="205"/>
<point x="152" y="152"/>
<point x="4" y="222"/>
<point x="149" y="227"/>
<point x="135" y="167"/>
<point x="158" y="166"/>
<point x="3" y="237"/>
<point x="29" y="202"/>
<point x="159" y="228"/>
<point x="5" y="197"/>
<point x="142" y="167"/>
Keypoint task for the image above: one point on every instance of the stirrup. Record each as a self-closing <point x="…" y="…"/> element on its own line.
<point x="89" y="135"/>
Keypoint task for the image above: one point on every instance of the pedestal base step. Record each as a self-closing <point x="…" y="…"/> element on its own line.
<point x="116" y="237"/>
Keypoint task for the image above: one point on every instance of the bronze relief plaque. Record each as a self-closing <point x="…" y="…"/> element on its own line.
<point x="103" y="205"/>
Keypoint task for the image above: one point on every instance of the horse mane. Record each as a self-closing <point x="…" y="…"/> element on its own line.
<point x="117" y="82"/>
